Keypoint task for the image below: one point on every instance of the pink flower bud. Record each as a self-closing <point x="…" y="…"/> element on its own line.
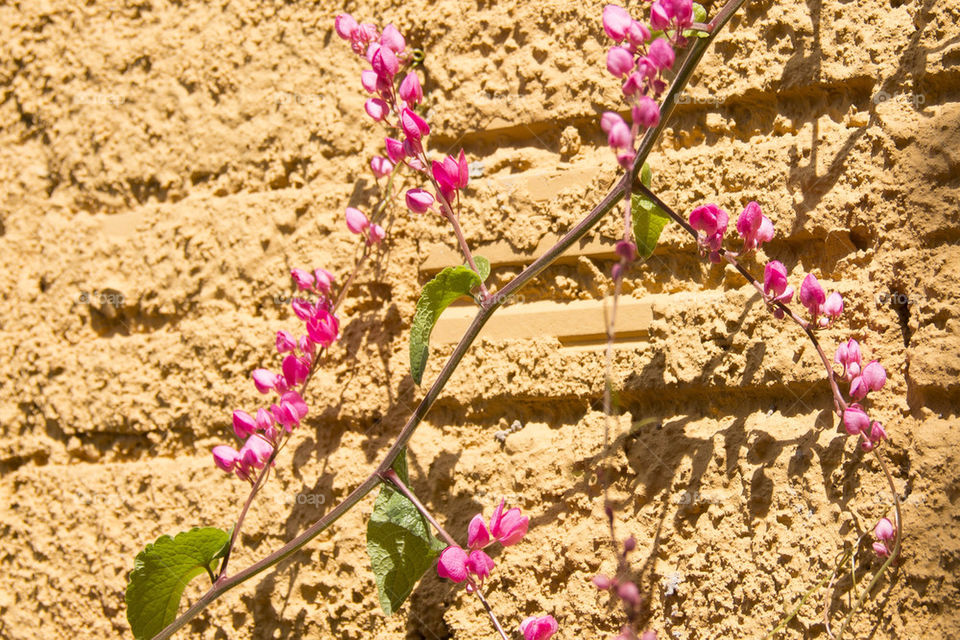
<point x="304" y="279"/>
<point x="627" y="250"/>
<point x="392" y="39"/>
<point x="877" y="432"/>
<point x="410" y="89"/>
<point x="775" y="279"/>
<point x="381" y="166"/>
<point x="368" y="79"/>
<point x="629" y="544"/>
<point x="609" y="119"/>
<point x="294" y="370"/>
<point x="616" y="271"/>
<point x="616" y="21"/>
<point x="754" y="227"/>
<point x="812" y="295"/>
<point x="243" y="424"/>
<point x="625" y="159"/>
<point x="264" y="380"/>
<point x="858" y="388"/>
<point x="453" y="564"/>
<point x="385" y="62"/>
<point x="463" y="171"/>
<point x="833" y="306"/>
<point x="661" y="54"/>
<point x="296" y="403"/>
<point x="633" y="85"/>
<point x="366" y="32"/>
<point x="660" y="16"/>
<point x="710" y="219"/>
<point x="874" y="376"/>
<point x="345" y="25"/>
<point x="323" y="329"/>
<point x="637" y="33"/>
<point x="376" y="235"/>
<point x="629" y="593"/>
<point x="479" y="564"/>
<point x="324" y="279"/>
<point x="394" y="150"/>
<point x="620" y="137"/>
<point x="647" y="113"/>
<point x="285" y="342"/>
<point x="855" y="419"/>
<point x="419" y="200"/>
<point x="602" y="582"/>
<point x="885" y="531"/>
<point x="357" y="222"/>
<point x="534" y="628"/>
<point x="478" y="536"/>
<point x="376" y="108"/>
<point x="264" y="419"/>
<point x="255" y="452"/>
<point x="302" y="308"/>
<point x="414" y="127"/>
<point x="619" y="61"/>
<point x="510" y="527"/>
<point x="225" y="457"/>
<point x="881" y="549"/>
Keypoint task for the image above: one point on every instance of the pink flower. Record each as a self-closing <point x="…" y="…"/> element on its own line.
<point x="392" y="39"/>
<point x="264" y="419"/>
<point x="255" y="452"/>
<point x="660" y="16"/>
<point x="285" y="342"/>
<point x="243" y="424"/>
<point x="647" y="112"/>
<point x="609" y="120"/>
<point x="629" y="593"/>
<point x="709" y="219"/>
<point x="616" y="21"/>
<point x="295" y="370"/>
<point x="661" y="54"/>
<point x="637" y="33"/>
<point x="542" y="628"/>
<point x="304" y="279"/>
<point x="414" y="127"/>
<point x="833" y="306"/>
<point x="877" y="432"/>
<point x="682" y="11"/>
<point x="410" y="89"/>
<point x="620" y="137"/>
<point x="368" y="78"/>
<point x="874" y="376"/>
<point x="264" y="380"/>
<point x="510" y="527"/>
<point x="377" y="234"/>
<point x="479" y="564"/>
<point x="324" y="279"/>
<point x="376" y="108"/>
<point x="633" y="85"/>
<point x="880" y="549"/>
<point x="602" y="582"/>
<point x="302" y="308"/>
<point x="293" y="399"/>
<point x="619" y="61"/>
<point x="345" y="25"/>
<point x="385" y="62"/>
<point x="357" y="221"/>
<point x="225" y="457"/>
<point x="812" y="295"/>
<point x="453" y="564"/>
<point x="754" y="227"/>
<point x="324" y="328"/>
<point x="394" y="150"/>
<point x="855" y="419"/>
<point x="419" y="200"/>
<point x="885" y="531"/>
<point x="478" y="536"/>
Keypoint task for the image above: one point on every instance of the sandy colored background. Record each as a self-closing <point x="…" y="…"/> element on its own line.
<point x="164" y="164"/>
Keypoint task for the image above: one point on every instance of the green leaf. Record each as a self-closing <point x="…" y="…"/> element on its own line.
<point x="699" y="15"/>
<point x="648" y="218"/>
<point x="447" y="286"/>
<point x="399" y="543"/>
<point x="162" y="570"/>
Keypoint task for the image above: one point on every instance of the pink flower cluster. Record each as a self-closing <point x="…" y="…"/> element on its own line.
<point x="640" y="60"/>
<point x="534" y="628"/>
<point x="862" y="379"/>
<point x="507" y="528"/>
<point x="393" y="106"/>
<point x="262" y="433"/>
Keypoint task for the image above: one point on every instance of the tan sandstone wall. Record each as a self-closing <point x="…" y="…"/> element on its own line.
<point x="164" y="164"/>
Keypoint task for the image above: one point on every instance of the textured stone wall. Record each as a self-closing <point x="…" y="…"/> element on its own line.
<point x="165" y="164"/>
